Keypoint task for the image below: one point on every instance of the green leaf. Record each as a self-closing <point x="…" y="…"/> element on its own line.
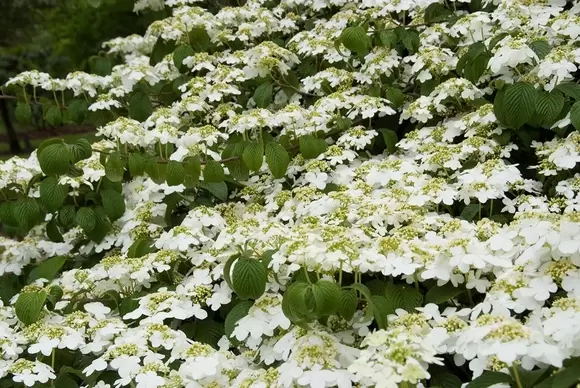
<point x="180" y="53"/>
<point x="355" y="39"/>
<point x="474" y="69"/>
<point x="570" y="89"/>
<point x="391" y="139"/>
<point x="78" y="110"/>
<point x="348" y="304"/>
<point x="441" y="294"/>
<point x="388" y="38"/>
<point x="249" y="278"/>
<point x="160" y="50"/>
<point x="239" y="311"/>
<point x="395" y="96"/>
<point x="311" y="147"/>
<point x="469" y="212"/>
<point x="488" y="378"/>
<point x="519" y="103"/>
<point x="54" y="159"/>
<point x="86" y="219"/>
<point x="113" y="203"/>
<point x="549" y="105"/>
<point x="7" y="216"/>
<point x="278" y="159"/>
<point x="446" y="380"/>
<point x="136" y="164"/>
<point x="47" y="269"/>
<point x="575" y="115"/>
<point x="218" y="189"/>
<point x="23" y="113"/>
<point x="213" y="172"/>
<point x="263" y="94"/>
<point x="141" y="247"/>
<point x="364" y="290"/>
<point x="175" y="173"/>
<point x="64" y="381"/>
<point x="66" y="216"/>
<point x="209" y="332"/>
<point x="528" y="378"/>
<point x="192" y="171"/>
<point x="253" y="156"/>
<point x="540" y="47"/>
<point x="52" y="194"/>
<point x="53" y="232"/>
<point x="199" y="39"/>
<point x="436" y="13"/>
<point x="326" y="297"/>
<point x="297" y="304"/>
<point x="81" y="150"/>
<point x="28" y="306"/>
<point x="102" y="225"/>
<point x="8" y="287"/>
<point x="114" y="167"/>
<point x="411" y="40"/>
<point x="27" y="213"/>
<point x="381" y="307"/>
<point x="140" y="107"/>
<point x="100" y="65"/>
<point x="53" y="116"/>
<point x="228" y="269"/>
<point x="403" y="297"/>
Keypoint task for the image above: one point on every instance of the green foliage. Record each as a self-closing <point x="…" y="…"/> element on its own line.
<point x="249" y="277"/>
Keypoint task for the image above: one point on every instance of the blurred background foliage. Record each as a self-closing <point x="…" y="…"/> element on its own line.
<point x="56" y="37"/>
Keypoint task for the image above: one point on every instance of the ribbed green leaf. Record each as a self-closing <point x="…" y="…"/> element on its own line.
<point x="53" y="232"/>
<point x="489" y="378"/>
<point x="519" y="103"/>
<point x="180" y="53"/>
<point x="114" y="167"/>
<point x="78" y="110"/>
<point x="355" y="39"/>
<point x="136" y="163"/>
<point x="47" y="269"/>
<point x="102" y="225"/>
<point x="311" y="147"/>
<point x="27" y="213"/>
<point x="81" y="150"/>
<point x="391" y="139"/>
<point x="140" y="107"/>
<point x="66" y="216"/>
<point x="29" y="305"/>
<point x="326" y="297"/>
<point x="55" y="159"/>
<point x="53" y="116"/>
<point x="277" y="158"/>
<point x="249" y="278"/>
<point x="575" y="115"/>
<point x="218" y="189"/>
<point x="540" y="47"/>
<point x="175" y="173"/>
<point x="86" y="219"/>
<point x="239" y="311"/>
<point x="549" y="105"/>
<point x="348" y="304"/>
<point x="263" y="94"/>
<point x="23" y="113"/>
<point x="52" y="194"/>
<point x="113" y="203"/>
<point x="213" y="172"/>
<point x="441" y="294"/>
<point x="253" y="156"/>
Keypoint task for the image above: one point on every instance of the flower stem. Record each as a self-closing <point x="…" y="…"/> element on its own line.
<point x="517" y="376"/>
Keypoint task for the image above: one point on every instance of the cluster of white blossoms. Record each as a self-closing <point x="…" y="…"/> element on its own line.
<point x="464" y="207"/>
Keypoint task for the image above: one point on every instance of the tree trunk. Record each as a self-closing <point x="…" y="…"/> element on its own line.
<point x="12" y="136"/>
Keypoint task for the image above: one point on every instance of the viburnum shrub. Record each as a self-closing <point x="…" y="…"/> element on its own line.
<point x="305" y="193"/>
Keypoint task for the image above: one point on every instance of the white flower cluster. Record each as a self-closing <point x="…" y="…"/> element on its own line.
<point x="456" y="206"/>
